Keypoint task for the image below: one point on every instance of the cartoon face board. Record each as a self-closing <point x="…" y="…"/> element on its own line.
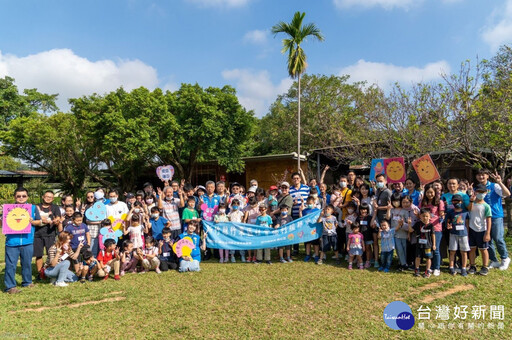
<point x="165" y="172"/>
<point x="377" y="167"/>
<point x="16" y="219"/>
<point x="425" y="169"/>
<point x="183" y="247"/>
<point x="98" y="212"/>
<point x="395" y="169"/>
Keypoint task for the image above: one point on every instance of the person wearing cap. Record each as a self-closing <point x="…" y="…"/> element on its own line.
<point x="457" y="223"/>
<point x="271" y="200"/>
<point x="480" y="226"/>
<point x="496" y="192"/>
<point x="130" y="199"/>
<point x="253" y="183"/>
<point x="284" y="198"/>
<point x="236" y="194"/>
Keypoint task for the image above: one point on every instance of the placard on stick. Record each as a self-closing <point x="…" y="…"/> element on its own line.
<point x="376" y="168"/>
<point x="425" y="169"/>
<point x="16" y="219"/>
<point x="395" y="169"/>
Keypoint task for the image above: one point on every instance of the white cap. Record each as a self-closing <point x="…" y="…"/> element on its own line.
<point x="286" y="184"/>
<point x="99" y="195"/>
<point x="252" y="189"/>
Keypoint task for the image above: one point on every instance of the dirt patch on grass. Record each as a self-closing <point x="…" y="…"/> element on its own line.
<point x="430" y="286"/>
<point x="114" y="293"/>
<point x="445" y="293"/>
<point x="73" y="305"/>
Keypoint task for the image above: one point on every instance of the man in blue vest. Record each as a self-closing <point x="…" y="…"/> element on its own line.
<point x="495" y="194"/>
<point x="20" y="246"/>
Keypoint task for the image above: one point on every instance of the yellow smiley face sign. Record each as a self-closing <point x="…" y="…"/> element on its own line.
<point x="425" y="169"/>
<point x="395" y="169"/>
<point x="16" y="219"/>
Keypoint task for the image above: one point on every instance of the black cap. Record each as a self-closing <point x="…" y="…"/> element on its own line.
<point x="481" y="187"/>
<point x="235" y="184"/>
<point x="129" y="195"/>
<point x="147" y="184"/>
<point x="457" y="197"/>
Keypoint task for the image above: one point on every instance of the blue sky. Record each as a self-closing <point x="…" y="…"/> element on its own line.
<point x="77" y="48"/>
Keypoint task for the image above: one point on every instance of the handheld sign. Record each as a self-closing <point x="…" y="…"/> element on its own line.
<point x="98" y="212"/>
<point x="425" y="169"/>
<point x="183" y="247"/>
<point x="165" y="172"/>
<point x="395" y="169"/>
<point x="16" y="219"/>
<point x="376" y="168"/>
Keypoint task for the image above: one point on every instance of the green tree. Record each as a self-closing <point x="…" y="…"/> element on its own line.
<point x="297" y="33"/>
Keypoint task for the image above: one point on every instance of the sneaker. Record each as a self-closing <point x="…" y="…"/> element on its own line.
<point x="13" y="290"/>
<point x="242" y="258"/>
<point x="143" y="271"/>
<point x="254" y="260"/>
<point x="483" y="271"/>
<point x="367" y="264"/>
<point x="117" y="277"/>
<point x="505" y="263"/>
<point x="417" y="272"/>
<point x="427" y="274"/>
<point x="386" y="270"/>
<point x="282" y="260"/>
<point x="221" y="261"/>
<point x="82" y="280"/>
<point x="380" y="269"/>
<point x="157" y="270"/>
<point x="411" y="268"/>
<point x="257" y="262"/>
<point x="324" y="258"/>
<point x="317" y="259"/>
<point x="495" y="264"/>
<point x="472" y="270"/>
<point x="268" y="262"/>
<point x="400" y="269"/>
<point x="307" y="258"/>
<point x="350" y="266"/>
<point x="233" y="259"/>
<point x="52" y="280"/>
<point x="361" y="266"/>
<point x="464" y="272"/>
<point x="89" y="278"/>
<point x="376" y="265"/>
<point x="452" y="271"/>
<point x="122" y="273"/>
<point x="334" y="257"/>
<point x="437" y="272"/>
<point x="458" y="270"/>
<point x="289" y="260"/>
<point x="61" y="284"/>
<point x="105" y="278"/>
<point x="319" y="262"/>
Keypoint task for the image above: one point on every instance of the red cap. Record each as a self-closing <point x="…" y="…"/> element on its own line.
<point x="273" y="187"/>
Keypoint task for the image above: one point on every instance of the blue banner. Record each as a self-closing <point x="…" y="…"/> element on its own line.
<point x="242" y="236"/>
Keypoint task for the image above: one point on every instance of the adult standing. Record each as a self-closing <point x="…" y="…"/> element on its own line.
<point x="94" y="226"/>
<point x="495" y="193"/>
<point x="351" y="179"/>
<point x="115" y="207"/>
<point x="209" y="203"/>
<point x="382" y="197"/>
<point x="44" y="235"/>
<point x="170" y="205"/>
<point x="64" y="202"/>
<point x="20" y="246"/>
<point x="284" y="198"/>
<point x="299" y="193"/>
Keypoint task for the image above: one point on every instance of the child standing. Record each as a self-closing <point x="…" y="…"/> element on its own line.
<point x="424" y="231"/>
<point x="136" y="230"/>
<point x="158" y="223"/>
<point x="149" y="256"/>
<point x="398" y="218"/>
<point x="81" y="235"/>
<point x="329" y="236"/>
<point x="221" y="217"/>
<point x="190" y="213"/>
<point x="355" y="247"/>
<point x="387" y="245"/>
<point x="283" y="218"/>
<point x="432" y="200"/>
<point x="251" y="214"/>
<point x="458" y="223"/>
<point x="480" y="216"/>
<point x="310" y="208"/>
<point x="236" y="215"/>
<point x="364" y="221"/>
<point x="349" y="220"/>
<point x="263" y="220"/>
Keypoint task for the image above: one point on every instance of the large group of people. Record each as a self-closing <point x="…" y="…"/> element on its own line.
<point x="364" y="224"/>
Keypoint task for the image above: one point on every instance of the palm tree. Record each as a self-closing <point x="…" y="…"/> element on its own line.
<point x="296" y="56"/>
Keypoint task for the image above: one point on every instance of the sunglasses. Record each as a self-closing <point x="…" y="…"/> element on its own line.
<point x="284" y="187"/>
<point x="21" y="196"/>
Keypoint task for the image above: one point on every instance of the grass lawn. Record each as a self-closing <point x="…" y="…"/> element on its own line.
<point x="230" y="301"/>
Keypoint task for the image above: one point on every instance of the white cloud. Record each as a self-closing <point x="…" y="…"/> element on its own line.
<point x="500" y="30"/>
<point x="62" y="71"/>
<point x="385" y="75"/>
<point x="255" y="90"/>
<point x="220" y="3"/>
<point x="256" y="37"/>
<point x="386" y="4"/>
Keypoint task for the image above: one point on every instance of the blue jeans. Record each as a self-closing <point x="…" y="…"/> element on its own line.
<point x="436" y="262"/>
<point x="11" y="260"/>
<point x="385" y="258"/>
<point x="189" y="266"/>
<point x="498" y="236"/>
<point x="61" y="272"/>
<point x="95" y="246"/>
<point x="401" y="250"/>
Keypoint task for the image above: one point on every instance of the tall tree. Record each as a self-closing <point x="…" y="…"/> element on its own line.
<point x="297" y="34"/>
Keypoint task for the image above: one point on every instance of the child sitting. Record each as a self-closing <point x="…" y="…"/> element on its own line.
<point x="424" y="231"/>
<point x="329" y="237"/>
<point x="108" y="258"/>
<point x="128" y="259"/>
<point x="282" y="219"/>
<point x="387" y="245"/>
<point x="355" y="247"/>
<point x="236" y="215"/>
<point x="89" y="266"/>
<point x="166" y="254"/>
<point x="191" y="263"/>
<point x="219" y="218"/>
<point x="149" y="256"/>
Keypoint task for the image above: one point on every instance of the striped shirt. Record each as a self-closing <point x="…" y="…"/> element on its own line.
<point x="52" y="252"/>
<point x="302" y="191"/>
